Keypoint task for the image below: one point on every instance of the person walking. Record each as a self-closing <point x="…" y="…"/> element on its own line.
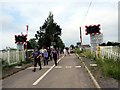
<point x="51" y="54"/>
<point x="64" y="51"/>
<point x="55" y="56"/>
<point x="42" y="51"/>
<point x="36" y="55"/>
<point x="45" y="55"/>
<point x="48" y="50"/>
<point x="58" y="53"/>
<point x="69" y="51"/>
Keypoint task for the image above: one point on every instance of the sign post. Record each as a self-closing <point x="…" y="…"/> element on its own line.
<point x="95" y="40"/>
<point x="96" y="37"/>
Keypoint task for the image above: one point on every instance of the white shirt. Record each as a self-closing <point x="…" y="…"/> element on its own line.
<point x="64" y="50"/>
<point x="42" y="50"/>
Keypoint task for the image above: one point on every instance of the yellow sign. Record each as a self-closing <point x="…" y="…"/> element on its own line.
<point x="98" y="48"/>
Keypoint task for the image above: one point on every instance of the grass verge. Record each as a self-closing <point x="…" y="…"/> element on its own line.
<point x="108" y="67"/>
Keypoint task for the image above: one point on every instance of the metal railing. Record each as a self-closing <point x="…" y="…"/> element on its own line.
<point x="11" y="57"/>
<point x="110" y="52"/>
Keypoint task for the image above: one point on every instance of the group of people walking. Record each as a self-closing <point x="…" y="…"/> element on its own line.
<point x="45" y="55"/>
<point x="66" y="51"/>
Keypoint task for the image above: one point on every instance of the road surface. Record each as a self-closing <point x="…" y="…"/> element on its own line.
<point x="70" y="73"/>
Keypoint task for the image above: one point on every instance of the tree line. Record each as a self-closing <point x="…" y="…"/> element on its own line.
<point x="49" y="34"/>
<point x="110" y="44"/>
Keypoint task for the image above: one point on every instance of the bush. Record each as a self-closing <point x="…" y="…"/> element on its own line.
<point x="110" y="68"/>
<point x="88" y="54"/>
<point x="77" y="50"/>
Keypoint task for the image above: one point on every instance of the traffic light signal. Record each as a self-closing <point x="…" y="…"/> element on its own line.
<point x="92" y="29"/>
<point x="17" y="39"/>
<point x="22" y="38"/>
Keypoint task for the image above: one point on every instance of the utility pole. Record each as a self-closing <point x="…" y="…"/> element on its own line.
<point x="80" y="36"/>
<point x="80" y="39"/>
<point x="26" y="43"/>
<point x="27" y="35"/>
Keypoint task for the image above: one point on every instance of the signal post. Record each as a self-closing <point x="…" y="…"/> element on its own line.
<point x="96" y="37"/>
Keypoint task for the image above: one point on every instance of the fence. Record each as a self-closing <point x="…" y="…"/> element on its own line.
<point x="11" y="57"/>
<point x="110" y="52"/>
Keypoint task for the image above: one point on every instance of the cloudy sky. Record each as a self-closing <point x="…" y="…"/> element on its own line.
<point x="69" y="14"/>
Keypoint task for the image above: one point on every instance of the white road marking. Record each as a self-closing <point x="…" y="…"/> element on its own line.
<point x="92" y="77"/>
<point x="39" y="79"/>
<point x="46" y="66"/>
<point x="68" y="67"/>
<point x="31" y="67"/>
<point x="77" y="66"/>
<point x="58" y="67"/>
<point x="93" y="64"/>
<point x="39" y="67"/>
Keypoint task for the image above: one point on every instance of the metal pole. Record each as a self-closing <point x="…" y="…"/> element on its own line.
<point x="80" y="36"/>
<point x="26" y="43"/>
<point x="80" y="40"/>
<point x="27" y="35"/>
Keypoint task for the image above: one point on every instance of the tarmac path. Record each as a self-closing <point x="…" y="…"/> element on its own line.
<point x="70" y="73"/>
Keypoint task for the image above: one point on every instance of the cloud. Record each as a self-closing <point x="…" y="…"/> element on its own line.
<point x="8" y="40"/>
<point x="69" y="14"/>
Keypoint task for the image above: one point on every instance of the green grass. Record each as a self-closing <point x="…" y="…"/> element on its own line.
<point x="88" y="54"/>
<point x="77" y="50"/>
<point x="108" y="67"/>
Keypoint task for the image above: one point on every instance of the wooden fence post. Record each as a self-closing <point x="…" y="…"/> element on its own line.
<point x="23" y="53"/>
<point x="18" y="57"/>
<point x="8" y="59"/>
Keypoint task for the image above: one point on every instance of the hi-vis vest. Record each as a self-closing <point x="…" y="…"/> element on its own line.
<point x="98" y="48"/>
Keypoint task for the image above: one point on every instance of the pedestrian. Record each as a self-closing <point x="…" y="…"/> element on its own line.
<point x="36" y="55"/>
<point x="45" y="55"/>
<point x="55" y="56"/>
<point x="58" y="52"/>
<point x="69" y="51"/>
<point x="51" y="54"/>
<point x="48" y="50"/>
<point x="42" y="51"/>
<point x="64" y="50"/>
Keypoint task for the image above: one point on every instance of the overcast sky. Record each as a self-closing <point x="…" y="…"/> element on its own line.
<point x="69" y="14"/>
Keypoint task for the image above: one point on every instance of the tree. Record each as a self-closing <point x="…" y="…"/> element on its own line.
<point x="72" y="46"/>
<point x="49" y="33"/>
<point x="59" y="43"/>
<point x="109" y="43"/>
<point x="103" y="44"/>
<point x="31" y="44"/>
